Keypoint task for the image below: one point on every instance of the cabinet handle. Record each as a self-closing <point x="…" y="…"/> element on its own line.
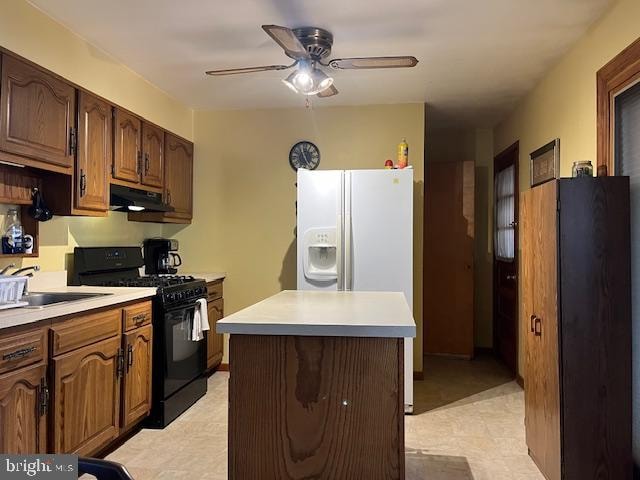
<point x="83" y="183"/>
<point x="138" y="319"/>
<point x="168" y="197"/>
<point x="44" y="396"/>
<point x="146" y="163"/>
<point x="18" y="354"/>
<point x="138" y="162"/>
<point x="120" y="363"/>
<point x="129" y="357"/>
<point x="538" y="327"/>
<point x="533" y="318"/>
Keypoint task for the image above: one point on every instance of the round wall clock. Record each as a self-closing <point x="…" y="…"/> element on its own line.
<point x="304" y="155"/>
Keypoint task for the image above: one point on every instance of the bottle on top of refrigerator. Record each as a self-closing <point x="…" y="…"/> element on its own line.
<point x="12" y="233"/>
<point x="403" y="154"/>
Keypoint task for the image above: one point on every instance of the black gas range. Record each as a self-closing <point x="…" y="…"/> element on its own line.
<point x="178" y="362"/>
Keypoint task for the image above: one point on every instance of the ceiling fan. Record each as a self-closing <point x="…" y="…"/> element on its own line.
<point x="310" y="48"/>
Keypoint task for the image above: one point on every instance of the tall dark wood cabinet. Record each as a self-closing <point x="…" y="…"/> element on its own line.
<point x="576" y="318"/>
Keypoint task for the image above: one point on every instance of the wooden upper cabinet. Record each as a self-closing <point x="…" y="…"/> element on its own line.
<point x="152" y="156"/>
<point x="86" y="400"/>
<point x="136" y="397"/>
<point x="179" y="176"/>
<point x="95" y="135"/>
<point x="127" y="156"/>
<point x="23" y="418"/>
<point x="37" y="115"/>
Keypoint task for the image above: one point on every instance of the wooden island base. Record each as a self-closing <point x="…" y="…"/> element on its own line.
<point x="303" y="407"/>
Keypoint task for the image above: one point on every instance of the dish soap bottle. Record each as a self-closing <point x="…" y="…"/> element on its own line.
<point x="12" y="237"/>
<point x="403" y="154"/>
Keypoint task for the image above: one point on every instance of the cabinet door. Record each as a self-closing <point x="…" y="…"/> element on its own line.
<point x="37" y="114"/>
<point x="540" y="302"/>
<point x="94" y="153"/>
<point x="22" y="416"/>
<point x="127" y="155"/>
<point x="178" y="176"/>
<point x="152" y="155"/>
<point x="86" y="400"/>
<point x="215" y="341"/>
<point x="136" y="396"/>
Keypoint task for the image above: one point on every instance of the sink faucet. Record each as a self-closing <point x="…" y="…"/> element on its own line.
<point x="6" y="269"/>
<point x="35" y="268"/>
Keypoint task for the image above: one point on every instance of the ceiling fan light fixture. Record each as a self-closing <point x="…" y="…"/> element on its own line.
<point x="289" y="81"/>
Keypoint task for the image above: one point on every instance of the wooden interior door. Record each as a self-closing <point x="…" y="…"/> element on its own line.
<point x="152" y="155"/>
<point x="179" y="176"/>
<point x="127" y="155"/>
<point x="86" y="400"/>
<point x="94" y="153"/>
<point x="542" y="379"/>
<point x="37" y="113"/>
<point x="448" y="258"/>
<point x="22" y="421"/>
<point x="214" y="340"/>
<point x="505" y="265"/>
<point x="137" y="381"/>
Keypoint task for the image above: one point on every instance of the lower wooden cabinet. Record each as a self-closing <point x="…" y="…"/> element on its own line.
<point x="136" y="394"/>
<point x="86" y="397"/>
<point x="23" y="413"/>
<point x="215" y="341"/>
<point x="215" y="311"/>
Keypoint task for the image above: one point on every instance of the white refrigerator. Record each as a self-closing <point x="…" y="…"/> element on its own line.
<point x="355" y="232"/>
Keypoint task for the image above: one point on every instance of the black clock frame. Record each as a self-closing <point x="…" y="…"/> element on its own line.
<point x="300" y="144"/>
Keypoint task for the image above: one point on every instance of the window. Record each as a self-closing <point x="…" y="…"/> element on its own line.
<point x="505" y="214"/>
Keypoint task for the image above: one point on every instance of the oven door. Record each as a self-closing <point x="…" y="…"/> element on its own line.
<point x="185" y="359"/>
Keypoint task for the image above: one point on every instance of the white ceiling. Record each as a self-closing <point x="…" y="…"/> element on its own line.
<point x="477" y="57"/>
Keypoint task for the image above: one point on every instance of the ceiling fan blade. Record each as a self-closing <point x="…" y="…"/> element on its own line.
<point x="328" y="92"/>
<point x="285" y="37"/>
<point x="235" y="71"/>
<point x="373" y="62"/>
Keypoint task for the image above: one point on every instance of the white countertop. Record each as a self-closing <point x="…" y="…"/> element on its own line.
<point x="21" y="316"/>
<point x="320" y="313"/>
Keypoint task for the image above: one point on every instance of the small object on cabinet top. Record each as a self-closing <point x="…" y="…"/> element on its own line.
<point x="388" y="164"/>
<point x="582" y="169"/>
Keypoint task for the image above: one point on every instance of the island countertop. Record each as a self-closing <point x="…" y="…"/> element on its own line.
<point x="324" y="313"/>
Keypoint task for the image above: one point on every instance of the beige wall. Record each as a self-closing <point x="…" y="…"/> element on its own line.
<point x="245" y="192"/>
<point x="28" y="32"/>
<point x="456" y="145"/>
<point x="563" y="104"/>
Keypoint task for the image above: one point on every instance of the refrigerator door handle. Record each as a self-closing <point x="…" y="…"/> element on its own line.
<point x="339" y="254"/>
<point x="348" y="264"/>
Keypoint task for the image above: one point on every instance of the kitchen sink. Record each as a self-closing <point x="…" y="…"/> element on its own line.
<point x="44" y="299"/>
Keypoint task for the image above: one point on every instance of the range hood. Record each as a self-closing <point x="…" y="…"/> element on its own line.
<point x="125" y="199"/>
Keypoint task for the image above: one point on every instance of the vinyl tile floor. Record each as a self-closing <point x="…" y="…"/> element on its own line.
<point x="468" y="424"/>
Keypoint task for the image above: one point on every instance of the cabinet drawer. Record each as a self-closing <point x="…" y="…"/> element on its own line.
<point x="136" y="315"/>
<point x="216" y="310"/>
<point x="22" y="349"/>
<point x="214" y="290"/>
<point x="85" y="330"/>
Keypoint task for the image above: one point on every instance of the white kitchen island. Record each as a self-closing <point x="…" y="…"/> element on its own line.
<point x="316" y="386"/>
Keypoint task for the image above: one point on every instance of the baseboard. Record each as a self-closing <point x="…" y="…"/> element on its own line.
<point x="520" y="381"/>
<point x="484" y="350"/>
<point x="418" y="375"/>
<point x="223" y="367"/>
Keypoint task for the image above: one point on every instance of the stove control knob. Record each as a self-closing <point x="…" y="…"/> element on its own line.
<point x="171" y="297"/>
<point x="180" y="295"/>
